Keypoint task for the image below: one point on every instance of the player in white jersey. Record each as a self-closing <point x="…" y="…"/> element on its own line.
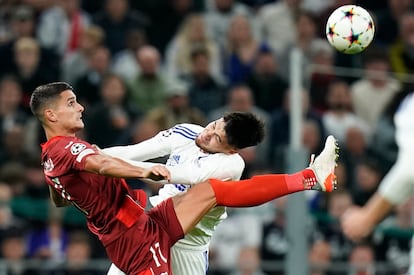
<point x="396" y="186"/>
<point x="191" y="162"/>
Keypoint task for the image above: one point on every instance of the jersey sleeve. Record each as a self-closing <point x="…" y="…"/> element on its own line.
<point x="216" y="166"/>
<point x="70" y="153"/>
<point x="160" y="145"/>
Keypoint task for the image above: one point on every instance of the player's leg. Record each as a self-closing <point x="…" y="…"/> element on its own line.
<point x="194" y="204"/>
<point x="260" y="189"/>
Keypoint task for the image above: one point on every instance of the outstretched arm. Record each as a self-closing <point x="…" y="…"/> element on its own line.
<point x="114" y="167"/>
<point x="148" y="149"/>
<point x="358" y="222"/>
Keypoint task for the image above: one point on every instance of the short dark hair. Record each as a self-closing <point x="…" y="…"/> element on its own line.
<point x="243" y="129"/>
<point x="44" y="94"/>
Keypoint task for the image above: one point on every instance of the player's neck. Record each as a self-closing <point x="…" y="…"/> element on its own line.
<point x="51" y="133"/>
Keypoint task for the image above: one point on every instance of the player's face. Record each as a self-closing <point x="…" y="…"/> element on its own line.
<point x="68" y="112"/>
<point x="213" y="138"/>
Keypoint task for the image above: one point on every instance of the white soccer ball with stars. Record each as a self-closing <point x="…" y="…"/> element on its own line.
<point x="350" y="29"/>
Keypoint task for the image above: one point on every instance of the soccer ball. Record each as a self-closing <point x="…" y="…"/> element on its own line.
<point x="350" y="29"/>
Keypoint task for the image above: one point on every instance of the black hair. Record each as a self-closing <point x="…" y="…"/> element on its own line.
<point x="43" y="94"/>
<point x="243" y="129"/>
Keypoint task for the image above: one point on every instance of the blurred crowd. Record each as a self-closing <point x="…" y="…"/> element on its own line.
<point x="143" y="66"/>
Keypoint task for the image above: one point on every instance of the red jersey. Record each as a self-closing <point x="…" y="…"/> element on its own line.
<point x="134" y="240"/>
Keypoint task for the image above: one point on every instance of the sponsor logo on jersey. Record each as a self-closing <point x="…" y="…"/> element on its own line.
<point x="48" y="165"/>
<point x="167" y="133"/>
<point x="76" y="148"/>
<point x="176" y="158"/>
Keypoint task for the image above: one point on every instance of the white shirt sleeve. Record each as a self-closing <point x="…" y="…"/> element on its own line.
<point x="229" y="168"/>
<point x="158" y="146"/>
<point x="215" y="166"/>
<point x="398" y="184"/>
<point x="219" y="166"/>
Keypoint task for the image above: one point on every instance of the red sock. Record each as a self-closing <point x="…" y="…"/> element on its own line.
<point x="258" y="189"/>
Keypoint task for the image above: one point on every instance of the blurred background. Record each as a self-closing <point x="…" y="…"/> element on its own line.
<point x="143" y="66"/>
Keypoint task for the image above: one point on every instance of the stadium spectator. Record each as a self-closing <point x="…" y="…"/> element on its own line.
<point x="401" y="60"/>
<point x="321" y="73"/>
<point x="11" y="111"/>
<point x="60" y="26"/>
<point x="320" y="257"/>
<point x="218" y="15"/>
<point x="49" y="240"/>
<point x="13" y="149"/>
<point x="266" y="82"/>
<point x="88" y="85"/>
<point x="191" y="35"/>
<point x="176" y="108"/>
<point x="274" y="245"/>
<point x="109" y="118"/>
<point x="362" y="259"/>
<point x="78" y="253"/>
<point x="148" y="88"/>
<point x="226" y="243"/>
<point x="241" y="50"/>
<point x="375" y="86"/>
<point x="280" y="119"/>
<point x="124" y="62"/>
<point x="22" y="24"/>
<point x="327" y="215"/>
<point x="13" y="251"/>
<point x="75" y="64"/>
<point x="392" y="238"/>
<point x="29" y="69"/>
<point x="304" y="37"/>
<point x="248" y="262"/>
<point x="277" y="24"/>
<point x="117" y="19"/>
<point x="339" y="117"/>
<point x="367" y="178"/>
<point x="388" y="21"/>
<point x="9" y="222"/>
<point x="205" y="92"/>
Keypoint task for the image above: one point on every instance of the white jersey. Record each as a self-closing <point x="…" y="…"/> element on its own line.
<point x="188" y="164"/>
<point x="398" y="184"/>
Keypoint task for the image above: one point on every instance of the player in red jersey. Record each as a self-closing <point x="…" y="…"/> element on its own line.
<point x="139" y="242"/>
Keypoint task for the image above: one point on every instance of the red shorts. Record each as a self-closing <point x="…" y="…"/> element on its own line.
<point x="145" y="246"/>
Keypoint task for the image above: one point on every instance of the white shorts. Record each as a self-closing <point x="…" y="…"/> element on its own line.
<point x="187" y="261"/>
<point x="114" y="270"/>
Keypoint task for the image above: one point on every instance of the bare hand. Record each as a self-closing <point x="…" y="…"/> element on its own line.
<point x="354" y="224"/>
<point x="157" y="172"/>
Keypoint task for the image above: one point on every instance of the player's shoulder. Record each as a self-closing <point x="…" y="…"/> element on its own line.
<point x="65" y="144"/>
<point x="185" y="131"/>
<point x="188" y="127"/>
